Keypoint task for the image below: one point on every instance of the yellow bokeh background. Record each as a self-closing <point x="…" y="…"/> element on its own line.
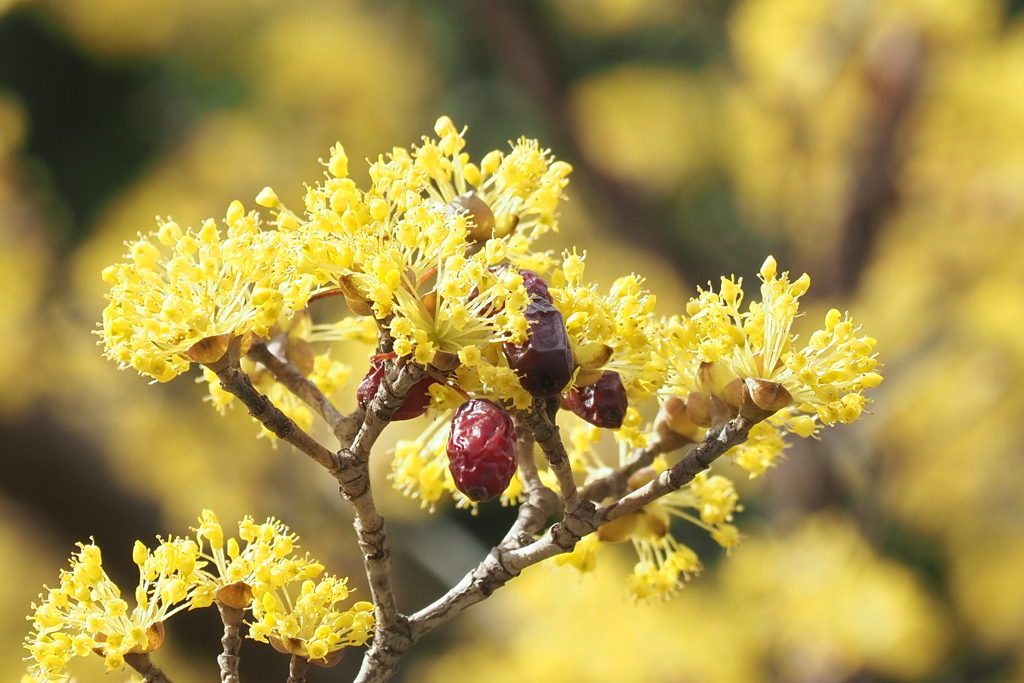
<point x="876" y="145"/>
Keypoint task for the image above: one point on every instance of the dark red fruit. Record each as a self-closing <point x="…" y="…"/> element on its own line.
<point x="415" y="403"/>
<point x="602" y="404"/>
<point x="482" y="449"/>
<point x="535" y="285"/>
<point x="544" y="363"/>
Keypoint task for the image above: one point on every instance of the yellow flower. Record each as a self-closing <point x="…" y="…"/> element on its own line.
<point x="404" y="255"/>
<point x="264" y="558"/>
<point x="621" y="321"/>
<point x="519" y="191"/>
<point x="209" y="284"/>
<point x="87" y="614"/>
<point x="716" y="346"/>
<point x="309" y="624"/>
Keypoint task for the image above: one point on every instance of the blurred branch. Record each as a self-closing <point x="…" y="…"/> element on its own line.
<point x="894" y="72"/>
<point x="520" y="47"/>
<point x="614" y="484"/>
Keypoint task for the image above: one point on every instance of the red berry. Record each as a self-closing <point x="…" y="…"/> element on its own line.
<point x="535" y="285"/>
<point x="482" y="450"/>
<point x="602" y="404"/>
<point x="544" y="363"/>
<point x="415" y="403"/>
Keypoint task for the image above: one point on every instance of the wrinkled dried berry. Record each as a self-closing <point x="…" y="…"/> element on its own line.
<point x="482" y="450"/>
<point x="535" y="285"/>
<point x="544" y="363"/>
<point x="602" y="404"/>
<point x="415" y="403"/>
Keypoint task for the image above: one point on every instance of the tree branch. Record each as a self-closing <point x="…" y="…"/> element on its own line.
<point x="541" y="422"/>
<point x="234" y="380"/>
<point x="285" y="372"/>
<point x="507" y="561"/>
<point x="392" y="630"/>
<point x="297" y="669"/>
<point x="715" y="443"/>
<point x="614" y="484"/>
<point x="141" y="662"/>
<point x="231" y="642"/>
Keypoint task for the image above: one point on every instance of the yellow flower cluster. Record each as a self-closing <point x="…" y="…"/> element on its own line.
<point x="722" y="357"/>
<point x="435" y="257"/>
<point x="309" y="624"/>
<point x="615" y="331"/>
<point x="212" y="284"/>
<point x="87" y="614"/>
<point x="424" y="265"/>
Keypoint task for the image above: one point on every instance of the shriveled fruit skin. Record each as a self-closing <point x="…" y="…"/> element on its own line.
<point x="602" y="404"/>
<point x="482" y="450"/>
<point x="415" y="403"/>
<point x="544" y="362"/>
<point x="535" y="285"/>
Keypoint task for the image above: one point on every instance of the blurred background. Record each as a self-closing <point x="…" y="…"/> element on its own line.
<point x="877" y="145"/>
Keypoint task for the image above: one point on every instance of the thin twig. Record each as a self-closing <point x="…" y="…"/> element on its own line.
<point x="353" y="475"/>
<point x="544" y="429"/>
<point x="285" y="372"/>
<point x="234" y="380"/>
<point x="141" y="662"/>
<point x="231" y="642"/>
<point x="715" y="443"/>
<point x="504" y="563"/>
<point x="614" y="484"/>
<point x="297" y="669"/>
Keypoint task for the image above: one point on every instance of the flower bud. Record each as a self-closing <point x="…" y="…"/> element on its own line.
<point x="479" y="217"/>
<point x="237" y="595"/>
<point x="355" y="299"/>
<point x="732" y="393"/>
<point x="155" y="635"/>
<point x="711" y="377"/>
<point x="652" y="525"/>
<point x="674" y="414"/>
<point x="445" y="361"/>
<point x="592" y="356"/>
<point x="330" y="659"/>
<point x="720" y="411"/>
<point x="430" y="302"/>
<point x="300" y="353"/>
<point x="698" y="409"/>
<point x="208" y="349"/>
<point x="586" y="378"/>
<point x="764" y="397"/>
